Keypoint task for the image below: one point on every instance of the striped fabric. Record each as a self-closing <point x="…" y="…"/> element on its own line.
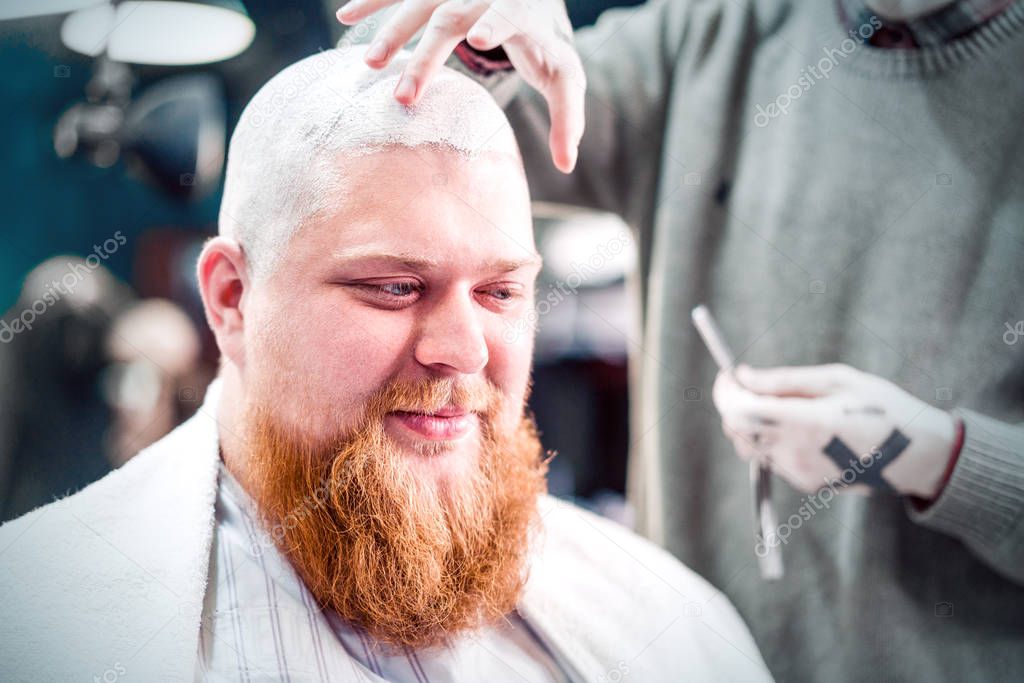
<point x="260" y="623"/>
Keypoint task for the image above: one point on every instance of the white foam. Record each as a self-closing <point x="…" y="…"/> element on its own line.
<point x="287" y="155"/>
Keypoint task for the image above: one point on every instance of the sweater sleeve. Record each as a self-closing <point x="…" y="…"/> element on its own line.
<point x="628" y="57"/>
<point x="983" y="503"/>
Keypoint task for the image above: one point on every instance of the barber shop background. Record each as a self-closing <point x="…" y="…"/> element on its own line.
<point x="115" y="122"/>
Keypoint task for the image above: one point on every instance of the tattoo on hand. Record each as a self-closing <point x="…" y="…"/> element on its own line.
<point x="867" y="471"/>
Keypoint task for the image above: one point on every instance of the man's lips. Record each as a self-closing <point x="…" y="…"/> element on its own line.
<point x="448" y="423"/>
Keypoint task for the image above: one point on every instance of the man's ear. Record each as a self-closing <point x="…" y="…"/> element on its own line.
<point x="223" y="283"/>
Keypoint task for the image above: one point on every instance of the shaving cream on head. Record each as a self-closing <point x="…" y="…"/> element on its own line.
<point x="288" y="153"/>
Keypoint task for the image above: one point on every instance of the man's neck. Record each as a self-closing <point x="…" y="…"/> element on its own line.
<point x="904" y="10"/>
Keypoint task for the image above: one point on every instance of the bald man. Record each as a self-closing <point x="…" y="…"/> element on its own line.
<point x="362" y="494"/>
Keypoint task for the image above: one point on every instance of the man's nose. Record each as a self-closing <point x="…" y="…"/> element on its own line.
<point x="452" y="336"/>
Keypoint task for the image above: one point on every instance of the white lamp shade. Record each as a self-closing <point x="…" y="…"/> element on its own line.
<point x="158" y="32"/>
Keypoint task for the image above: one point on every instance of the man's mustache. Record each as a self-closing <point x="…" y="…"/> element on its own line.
<point x="439" y="395"/>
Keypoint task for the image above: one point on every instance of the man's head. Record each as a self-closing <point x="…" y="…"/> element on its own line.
<point x="370" y="258"/>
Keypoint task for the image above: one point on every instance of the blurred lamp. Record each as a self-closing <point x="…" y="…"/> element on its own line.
<point x="173" y="135"/>
<point x="165" y="32"/>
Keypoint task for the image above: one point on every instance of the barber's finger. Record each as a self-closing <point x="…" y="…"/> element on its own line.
<point x="354" y="11"/>
<point x="444" y="31"/>
<point x="744" y="447"/>
<point x="756" y="427"/>
<point x="772" y="415"/>
<point x="724" y="390"/>
<point x="401" y="27"/>
<point x="757" y="437"/>
<point x="501" y="21"/>
<point x="806" y="380"/>
<point x="733" y="400"/>
<point x="744" y="451"/>
<point x="567" y="124"/>
<point x="556" y="72"/>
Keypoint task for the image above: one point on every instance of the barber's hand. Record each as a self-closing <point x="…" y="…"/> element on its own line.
<point x="536" y="36"/>
<point x="832" y="424"/>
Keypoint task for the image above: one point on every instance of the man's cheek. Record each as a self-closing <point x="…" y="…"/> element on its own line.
<point x="512" y="380"/>
<point x="510" y="364"/>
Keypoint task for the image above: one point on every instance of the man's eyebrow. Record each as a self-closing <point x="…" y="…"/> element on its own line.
<point x="419" y="262"/>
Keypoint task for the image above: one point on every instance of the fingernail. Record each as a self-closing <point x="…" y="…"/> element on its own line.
<point x="481" y="34"/>
<point x="377" y="51"/>
<point x="346" y="8"/>
<point x="406" y="88"/>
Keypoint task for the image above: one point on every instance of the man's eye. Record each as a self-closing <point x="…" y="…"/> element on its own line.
<point x="390" y="293"/>
<point x="503" y="293"/>
<point x="397" y="289"/>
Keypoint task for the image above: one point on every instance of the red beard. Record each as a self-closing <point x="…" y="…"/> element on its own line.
<point x="412" y="562"/>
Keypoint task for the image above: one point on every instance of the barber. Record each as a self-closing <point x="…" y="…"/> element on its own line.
<point x="839" y="182"/>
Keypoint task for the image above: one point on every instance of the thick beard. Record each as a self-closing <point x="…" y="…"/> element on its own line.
<point x="414" y="562"/>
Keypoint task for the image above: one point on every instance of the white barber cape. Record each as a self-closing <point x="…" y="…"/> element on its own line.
<point x="110" y="582"/>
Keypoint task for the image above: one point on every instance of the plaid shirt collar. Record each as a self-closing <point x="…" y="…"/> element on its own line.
<point x="940" y="27"/>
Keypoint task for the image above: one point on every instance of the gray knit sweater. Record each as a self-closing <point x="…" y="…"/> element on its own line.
<point x="873" y="215"/>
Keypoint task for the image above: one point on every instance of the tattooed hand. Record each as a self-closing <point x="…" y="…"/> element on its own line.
<point x="536" y="36"/>
<point x="833" y="424"/>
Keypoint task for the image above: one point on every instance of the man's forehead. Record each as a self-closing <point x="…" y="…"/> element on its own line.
<point x="425" y="208"/>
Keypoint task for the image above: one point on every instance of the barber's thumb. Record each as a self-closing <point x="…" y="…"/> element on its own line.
<point x="725" y="392"/>
<point x="807" y="381"/>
